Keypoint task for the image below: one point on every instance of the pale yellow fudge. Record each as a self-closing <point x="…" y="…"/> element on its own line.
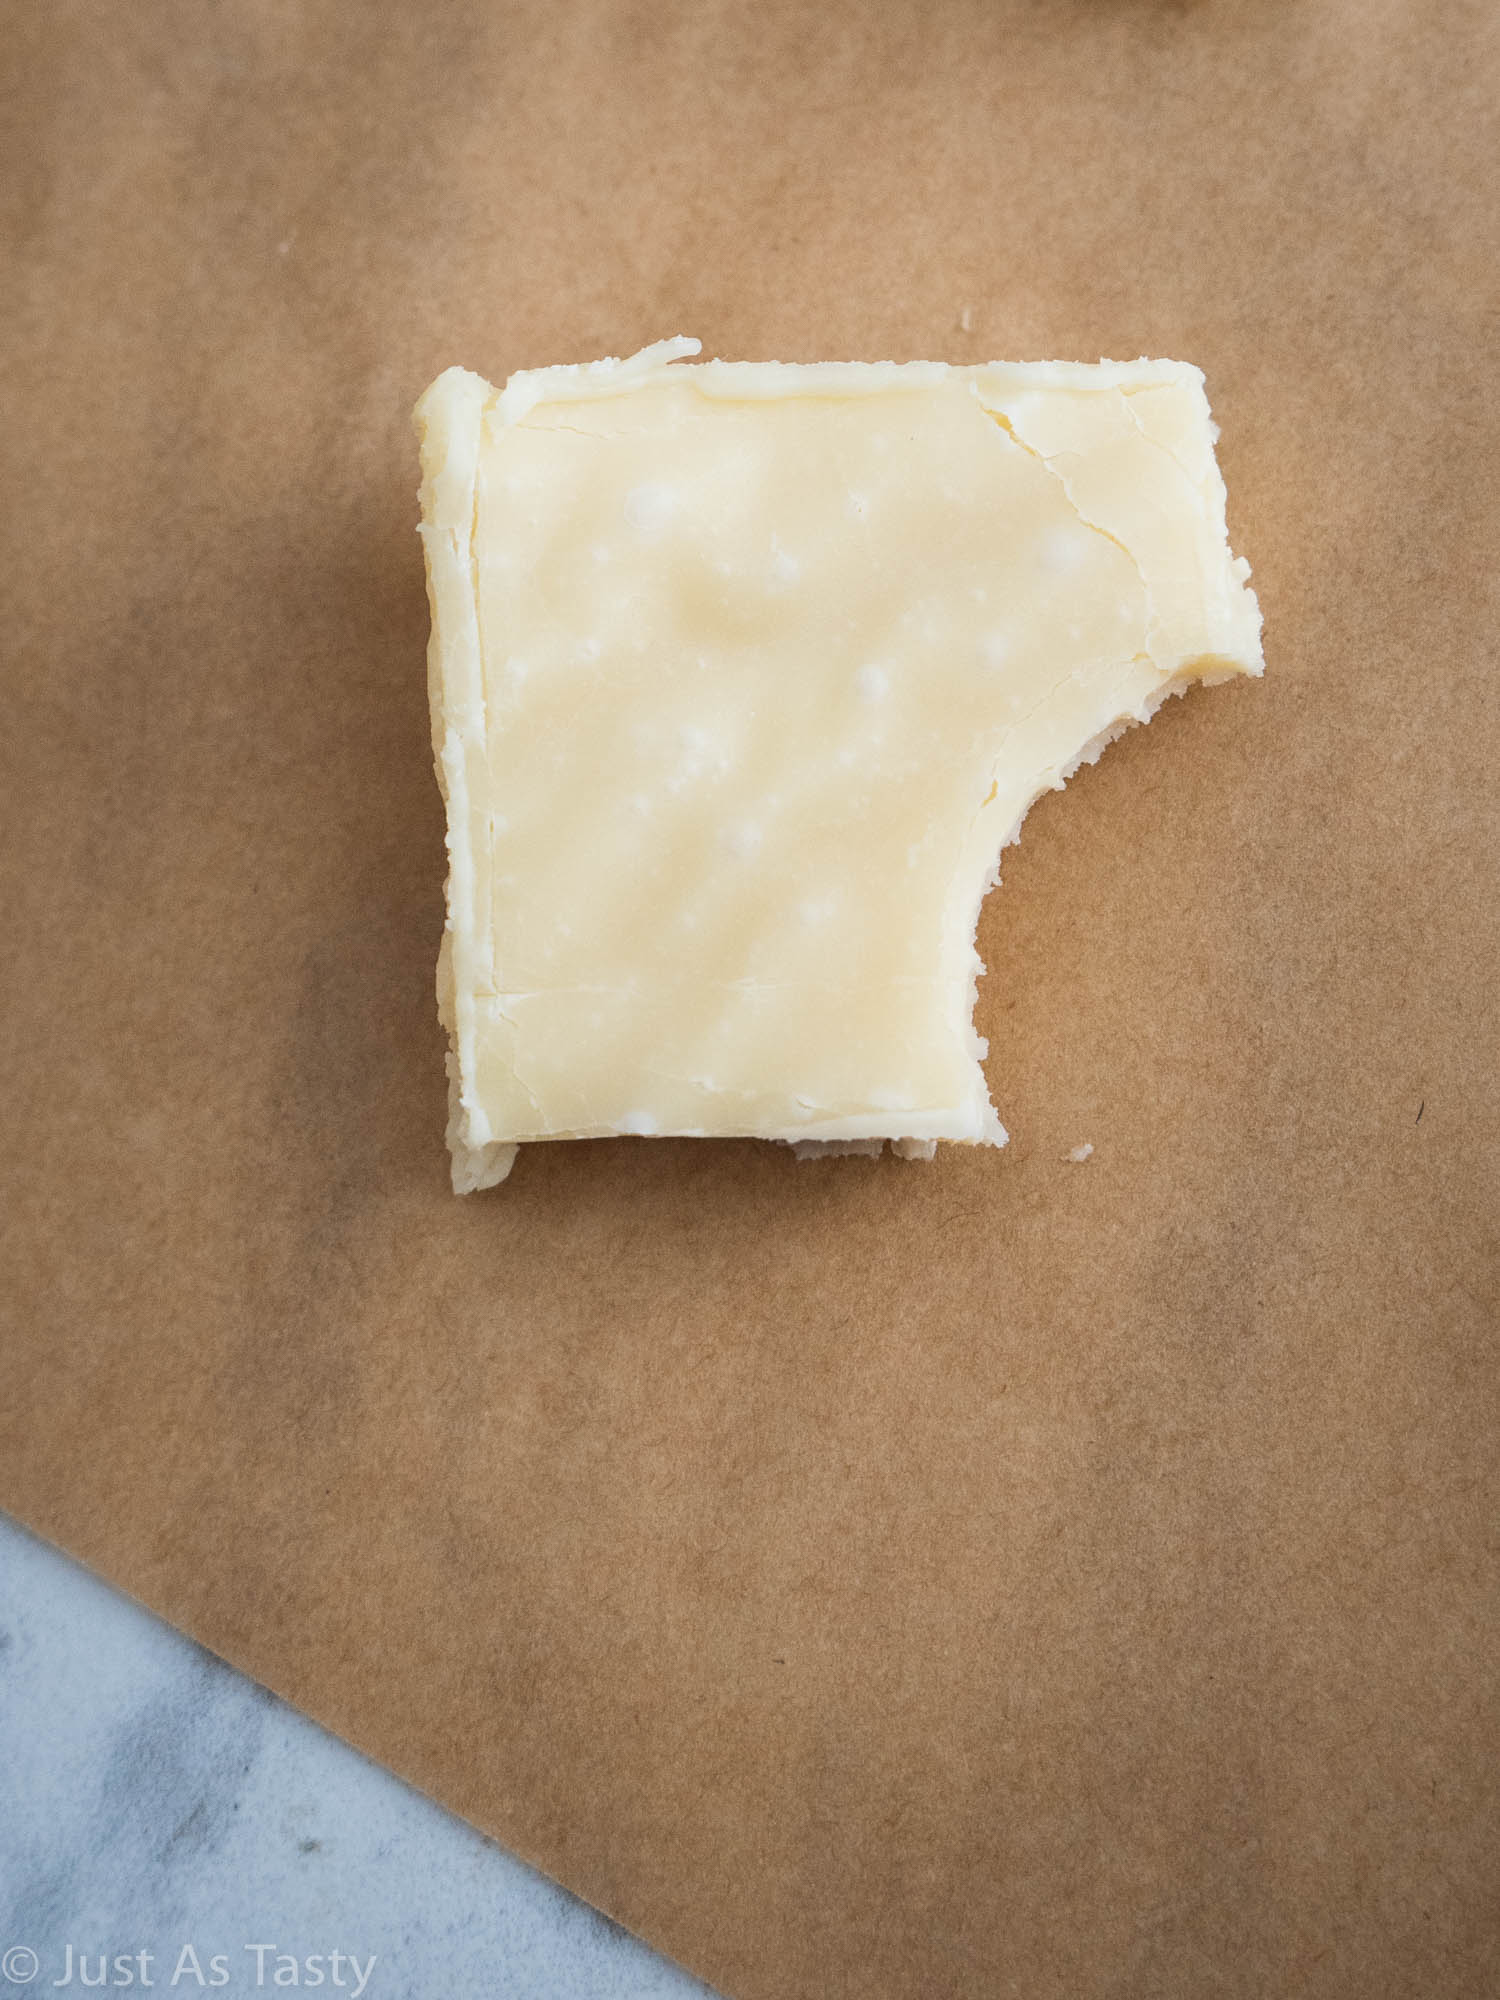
<point x="742" y="676"/>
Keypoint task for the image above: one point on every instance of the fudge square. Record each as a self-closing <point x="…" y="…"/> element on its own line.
<point x="742" y="676"/>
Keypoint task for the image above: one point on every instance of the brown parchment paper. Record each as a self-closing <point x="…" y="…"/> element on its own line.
<point x="1000" y="1577"/>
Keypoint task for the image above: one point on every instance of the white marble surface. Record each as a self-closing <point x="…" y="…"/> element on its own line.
<point x="152" y="1799"/>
